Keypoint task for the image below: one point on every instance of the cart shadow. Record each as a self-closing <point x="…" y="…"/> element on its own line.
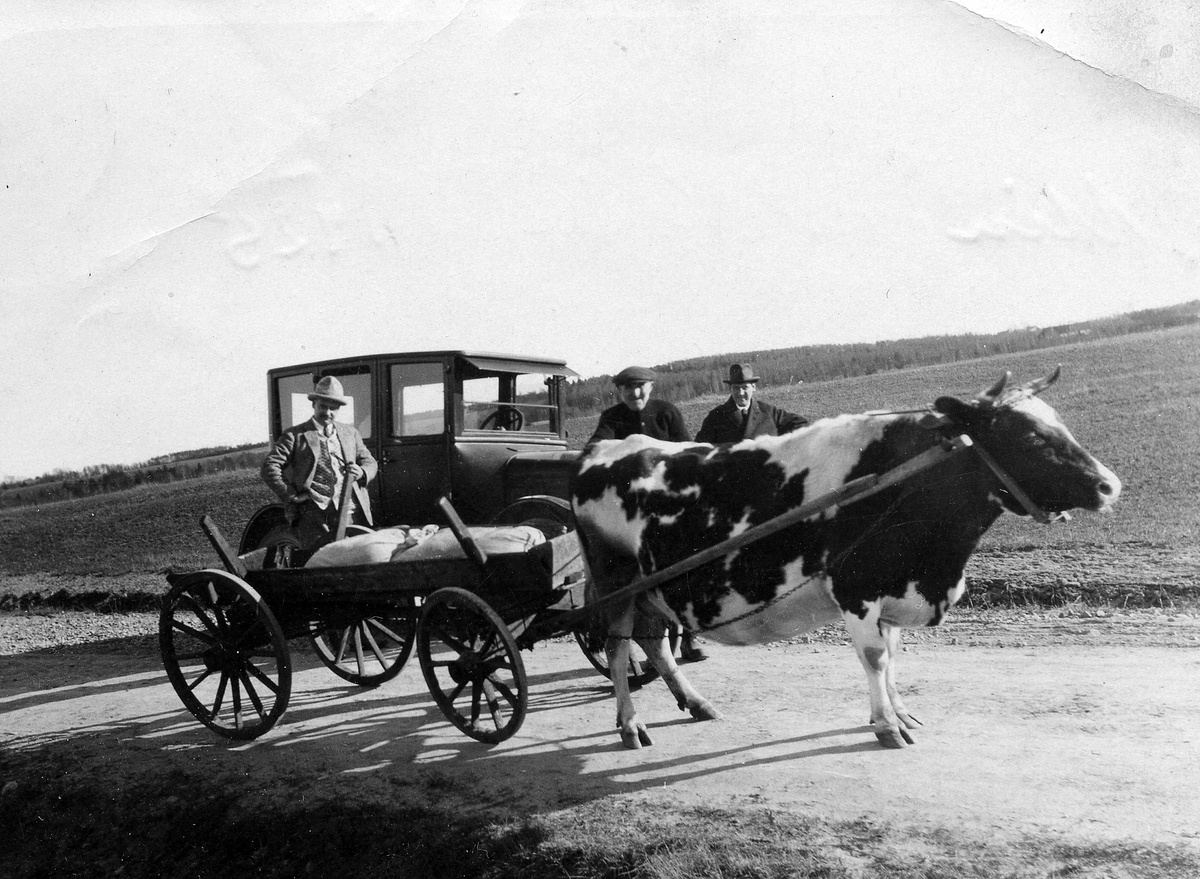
<point x="60" y="674"/>
<point x="397" y="730"/>
<point x="55" y="674"/>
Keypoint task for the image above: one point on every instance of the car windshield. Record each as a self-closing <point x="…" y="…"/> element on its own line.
<point x="524" y="402"/>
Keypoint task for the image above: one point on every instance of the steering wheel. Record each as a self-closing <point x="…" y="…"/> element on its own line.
<point x="504" y="418"/>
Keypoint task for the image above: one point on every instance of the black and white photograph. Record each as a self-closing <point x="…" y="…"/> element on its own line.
<point x="479" y="438"/>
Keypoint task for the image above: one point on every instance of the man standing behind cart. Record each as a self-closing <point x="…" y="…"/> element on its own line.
<point x="309" y="463"/>
<point x="637" y="413"/>
<point x="741" y="416"/>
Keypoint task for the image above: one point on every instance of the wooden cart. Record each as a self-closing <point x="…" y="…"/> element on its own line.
<point x="224" y="633"/>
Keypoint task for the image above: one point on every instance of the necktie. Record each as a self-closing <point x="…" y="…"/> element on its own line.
<point x="324" y="480"/>
<point x="739" y="417"/>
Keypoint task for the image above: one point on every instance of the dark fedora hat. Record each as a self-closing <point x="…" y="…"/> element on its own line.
<point x="632" y="375"/>
<point x="741" y="374"/>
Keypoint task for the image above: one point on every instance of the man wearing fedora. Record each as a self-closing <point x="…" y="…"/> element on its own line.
<point x="742" y="416"/>
<point x="637" y="413"/>
<point x="309" y="462"/>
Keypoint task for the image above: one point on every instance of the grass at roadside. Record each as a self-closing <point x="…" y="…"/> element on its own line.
<point x="225" y="825"/>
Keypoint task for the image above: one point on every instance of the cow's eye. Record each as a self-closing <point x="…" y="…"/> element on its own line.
<point x="1035" y="440"/>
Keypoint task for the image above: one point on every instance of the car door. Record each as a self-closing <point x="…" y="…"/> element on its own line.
<point x="414" y="468"/>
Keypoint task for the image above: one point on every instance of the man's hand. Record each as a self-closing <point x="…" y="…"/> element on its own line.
<point x="354" y="472"/>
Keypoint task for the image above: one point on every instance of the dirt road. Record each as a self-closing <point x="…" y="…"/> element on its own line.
<point x="1076" y="726"/>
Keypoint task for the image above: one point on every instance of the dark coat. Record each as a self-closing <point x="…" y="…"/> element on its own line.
<point x="659" y="419"/>
<point x="292" y="463"/>
<point x="762" y="419"/>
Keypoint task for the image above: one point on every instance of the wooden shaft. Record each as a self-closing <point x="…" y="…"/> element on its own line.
<point x="470" y="547"/>
<point x="345" y="509"/>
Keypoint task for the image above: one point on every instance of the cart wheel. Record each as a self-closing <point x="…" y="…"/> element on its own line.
<point x="641" y="671"/>
<point x="225" y="654"/>
<point x="472" y="665"/>
<point x="368" y="651"/>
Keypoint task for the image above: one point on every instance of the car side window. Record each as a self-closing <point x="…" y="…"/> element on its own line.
<point x="296" y="408"/>
<point x="418" y="399"/>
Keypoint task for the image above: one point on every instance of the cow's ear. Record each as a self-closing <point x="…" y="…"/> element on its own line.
<point x="957" y="411"/>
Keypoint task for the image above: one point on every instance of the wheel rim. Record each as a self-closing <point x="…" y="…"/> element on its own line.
<point x="472" y="666"/>
<point x="641" y="670"/>
<point x="551" y="519"/>
<point x="367" y="651"/>
<point x="225" y="654"/>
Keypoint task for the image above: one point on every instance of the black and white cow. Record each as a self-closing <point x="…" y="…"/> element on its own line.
<point x="892" y="560"/>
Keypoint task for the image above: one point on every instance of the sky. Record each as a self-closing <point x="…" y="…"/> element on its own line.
<point x="193" y="193"/>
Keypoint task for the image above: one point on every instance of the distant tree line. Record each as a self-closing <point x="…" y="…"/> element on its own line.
<point x="678" y="381"/>
<point x="100" y="478"/>
<point x="685" y="379"/>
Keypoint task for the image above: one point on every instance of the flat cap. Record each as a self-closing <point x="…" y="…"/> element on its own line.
<point x="633" y="374"/>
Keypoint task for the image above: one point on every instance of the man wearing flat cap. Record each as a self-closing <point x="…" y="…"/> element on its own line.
<point x="637" y="413"/>
<point x="742" y="416"/>
<point x="309" y="463"/>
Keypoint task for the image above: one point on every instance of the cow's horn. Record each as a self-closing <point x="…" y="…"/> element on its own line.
<point x="1039" y="385"/>
<point x="994" y="391"/>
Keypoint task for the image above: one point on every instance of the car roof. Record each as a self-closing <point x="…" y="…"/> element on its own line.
<point x="482" y="359"/>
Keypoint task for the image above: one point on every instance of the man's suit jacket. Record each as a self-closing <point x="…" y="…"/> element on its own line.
<point x="762" y="419"/>
<point x="292" y="463"/>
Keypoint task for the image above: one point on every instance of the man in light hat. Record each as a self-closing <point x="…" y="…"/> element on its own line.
<point x="637" y="413"/>
<point x="742" y="416"/>
<point x="309" y="463"/>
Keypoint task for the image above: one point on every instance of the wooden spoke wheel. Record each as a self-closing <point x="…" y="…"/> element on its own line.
<point x="367" y="651"/>
<point x="472" y="665"/>
<point x="641" y="671"/>
<point x="225" y="654"/>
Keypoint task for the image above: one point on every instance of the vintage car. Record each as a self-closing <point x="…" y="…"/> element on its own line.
<point x="484" y="430"/>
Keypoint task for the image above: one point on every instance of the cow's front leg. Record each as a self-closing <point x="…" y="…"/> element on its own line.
<point x="891" y="634"/>
<point x="658" y="651"/>
<point x="875" y="654"/>
<point x="633" y="731"/>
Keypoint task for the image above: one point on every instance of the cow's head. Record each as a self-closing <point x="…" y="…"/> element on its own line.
<point x="1030" y="442"/>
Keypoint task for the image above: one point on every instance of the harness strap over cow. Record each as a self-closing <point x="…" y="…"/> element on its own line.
<point x="1015" y="490"/>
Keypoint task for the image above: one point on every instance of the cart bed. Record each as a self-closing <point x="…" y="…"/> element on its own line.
<point x="516" y="578"/>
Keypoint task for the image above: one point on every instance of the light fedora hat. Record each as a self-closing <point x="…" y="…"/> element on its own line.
<point x="741" y="374"/>
<point x="329" y="389"/>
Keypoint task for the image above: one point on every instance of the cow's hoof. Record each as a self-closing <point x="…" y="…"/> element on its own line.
<point x="633" y="739"/>
<point x="908" y="721"/>
<point x="704" y="710"/>
<point x="894" y="737"/>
